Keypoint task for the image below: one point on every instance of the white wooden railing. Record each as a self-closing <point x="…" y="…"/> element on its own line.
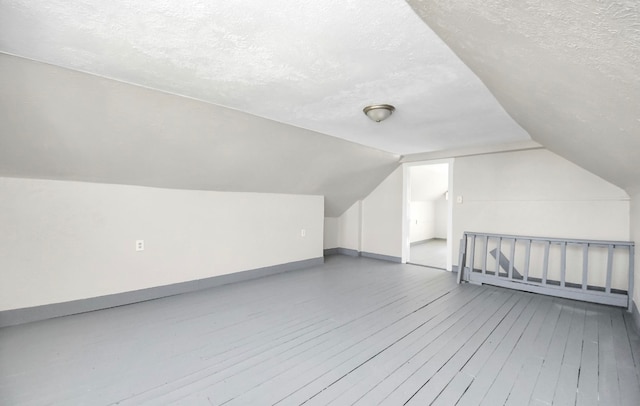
<point x="589" y="270"/>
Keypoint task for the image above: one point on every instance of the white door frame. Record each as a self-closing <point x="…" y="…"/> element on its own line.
<point x="406" y="200"/>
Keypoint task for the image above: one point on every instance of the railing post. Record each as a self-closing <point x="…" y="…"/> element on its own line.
<point x="484" y="254"/>
<point x="607" y="287"/>
<point x="563" y="264"/>
<point x="462" y="257"/>
<point x="545" y="265"/>
<point x="512" y="259"/>
<point x="585" y="266"/>
<point x="472" y="252"/>
<point x="527" y="260"/>
<point x="631" y="270"/>
<point x="498" y="254"/>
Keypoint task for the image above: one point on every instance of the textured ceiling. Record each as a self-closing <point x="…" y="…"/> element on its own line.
<point x="567" y="71"/>
<point x="311" y="64"/>
<point x="56" y="123"/>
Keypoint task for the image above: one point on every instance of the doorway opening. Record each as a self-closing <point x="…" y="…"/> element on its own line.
<point x="428" y="212"/>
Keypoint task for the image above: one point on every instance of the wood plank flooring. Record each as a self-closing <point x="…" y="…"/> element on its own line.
<point x="354" y="331"/>
<point x="432" y="253"/>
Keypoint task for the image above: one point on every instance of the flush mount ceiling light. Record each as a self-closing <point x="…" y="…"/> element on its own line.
<point x="379" y="112"/>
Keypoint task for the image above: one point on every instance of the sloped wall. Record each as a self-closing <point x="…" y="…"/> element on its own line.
<point x="63" y="241"/>
<point x="566" y="71"/>
<point x="66" y="125"/>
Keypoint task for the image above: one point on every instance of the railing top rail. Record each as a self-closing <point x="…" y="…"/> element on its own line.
<point x="567" y="240"/>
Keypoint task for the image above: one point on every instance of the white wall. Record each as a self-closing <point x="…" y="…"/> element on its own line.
<point x="635" y="236"/>
<point x="428" y="184"/>
<point x="536" y="193"/>
<point x="330" y="232"/>
<point x="440" y="217"/>
<point x="429" y="181"/>
<point x="382" y="217"/>
<point x="526" y="192"/>
<point x="422" y="220"/>
<point x="63" y="241"/>
<point x="349" y="226"/>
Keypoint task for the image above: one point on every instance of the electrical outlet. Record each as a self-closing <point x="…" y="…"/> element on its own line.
<point x="459" y="199"/>
<point x="139" y="245"/>
<point x="303" y="233"/>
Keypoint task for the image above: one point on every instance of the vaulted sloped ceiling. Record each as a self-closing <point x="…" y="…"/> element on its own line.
<point x="234" y="96"/>
<point x="567" y="71"/>
<point x="268" y="96"/>
<point x="312" y="64"/>
<point x="56" y="123"/>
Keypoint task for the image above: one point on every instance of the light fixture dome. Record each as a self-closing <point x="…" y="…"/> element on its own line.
<point x="379" y="112"/>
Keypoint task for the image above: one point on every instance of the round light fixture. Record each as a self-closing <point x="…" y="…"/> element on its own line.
<point x="379" y="112"/>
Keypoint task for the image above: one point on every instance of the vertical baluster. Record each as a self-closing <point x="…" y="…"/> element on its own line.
<point x="609" y="268"/>
<point x="527" y="259"/>
<point x="545" y="265"/>
<point x="484" y="254"/>
<point x="461" y="258"/>
<point x="631" y="271"/>
<point x="585" y="265"/>
<point x="563" y="263"/>
<point x="472" y="252"/>
<point x="512" y="258"/>
<point x="498" y="253"/>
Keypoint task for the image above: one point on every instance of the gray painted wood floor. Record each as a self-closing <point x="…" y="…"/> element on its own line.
<point x="353" y="331"/>
<point x="432" y="253"/>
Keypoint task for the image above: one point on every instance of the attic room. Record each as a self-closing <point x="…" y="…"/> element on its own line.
<point x="195" y="208"/>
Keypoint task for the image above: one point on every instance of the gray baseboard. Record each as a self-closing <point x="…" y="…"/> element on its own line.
<point x="330" y="251"/>
<point x="342" y="251"/>
<point x="427" y="240"/>
<point x="37" y="313"/>
<point x="355" y="253"/>
<point x="419" y="242"/>
<point x="381" y="257"/>
<point x="348" y="252"/>
<point x="635" y="315"/>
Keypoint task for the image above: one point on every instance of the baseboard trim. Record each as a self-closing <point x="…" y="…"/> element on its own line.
<point x="342" y="251"/>
<point x="413" y="244"/>
<point x="355" y="253"/>
<point x="381" y="257"/>
<point x="330" y="251"/>
<point x="348" y="252"/>
<point x="26" y="315"/>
